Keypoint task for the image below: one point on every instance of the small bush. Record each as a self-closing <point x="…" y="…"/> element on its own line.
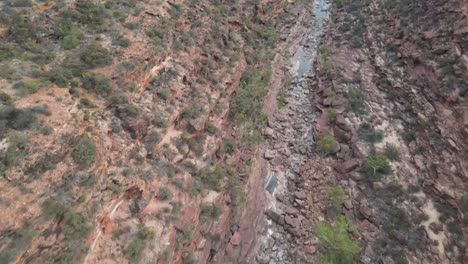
<point x="96" y="56"/>
<point x="331" y="115"/>
<point x="335" y="199"/>
<point x="27" y="88"/>
<point x="327" y="145"/>
<point x="211" y="210"/>
<point x="84" y="151"/>
<point x="164" y="93"/>
<point x="184" y="237"/>
<point x="90" y="13"/>
<point x="369" y="133"/>
<point x="164" y="194"/>
<point x="336" y="245"/>
<point x="19" y="119"/>
<point x="96" y="83"/>
<point x="281" y="100"/>
<point x="375" y="167"/>
<point x="68" y="34"/>
<point x="134" y="250"/>
<point x="227" y="146"/>
<point x="210" y="128"/>
<point x="391" y="152"/>
<point x="159" y="121"/>
<point x="47" y="130"/>
<point x="115" y="127"/>
<point x="355" y="100"/>
<point x="87" y="103"/>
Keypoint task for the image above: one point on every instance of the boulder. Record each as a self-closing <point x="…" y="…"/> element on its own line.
<point x="236" y="239"/>
<point x="347" y="166"/>
<point x="300" y="195"/>
<point x="270" y="154"/>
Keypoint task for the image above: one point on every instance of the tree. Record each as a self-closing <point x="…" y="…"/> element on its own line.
<point x="84" y="152"/>
<point x="336" y="245"/>
<point x="327" y="145"/>
<point x="335" y="197"/>
<point x="375" y="167"/>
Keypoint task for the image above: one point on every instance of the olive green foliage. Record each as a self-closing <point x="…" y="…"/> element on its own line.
<point x="326" y="62"/>
<point x="68" y="34"/>
<point x="96" y="56"/>
<point x="96" y="83"/>
<point x="227" y="146"/>
<point x="164" y="194"/>
<point x="336" y="245"/>
<point x="47" y="130"/>
<point x="211" y="210"/>
<point x="391" y="152"/>
<point x="251" y="137"/>
<point x="212" y="179"/>
<point x="27" y="87"/>
<point x="331" y="115"/>
<point x="369" y="133"/>
<point x="136" y="247"/>
<point x="15" y="150"/>
<point x="184" y="237"/>
<point x="335" y="199"/>
<point x="210" y="128"/>
<point x="15" y="118"/>
<point x="375" y="167"/>
<point x="248" y="102"/>
<point x="281" y="100"/>
<point x="74" y="228"/>
<point x="20" y="240"/>
<point x="355" y="100"/>
<point x="327" y="145"/>
<point x="84" y="151"/>
<point x="90" y="13"/>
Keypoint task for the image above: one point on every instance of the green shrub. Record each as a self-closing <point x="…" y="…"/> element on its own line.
<point x="68" y="34"/>
<point x="86" y="102"/>
<point x="335" y="200"/>
<point x="375" y="167"/>
<point x="84" y="151"/>
<point x="210" y="128"/>
<point x="331" y="115"/>
<point x="369" y="133"/>
<point x="47" y="130"/>
<point x="251" y="137"/>
<point x="134" y="250"/>
<point x="327" y="145"/>
<point x="391" y="152"/>
<point x="8" y="52"/>
<point x="90" y="13"/>
<point x="159" y="121"/>
<point x="192" y="111"/>
<point x="210" y="210"/>
<point x="115" y="127"/>
<point x="227" y="146"/>
<point x="189" y="258"/>
<point x="19" y="119"/>
<point x="355" y="100"/>
<point x="96" y="83"/>
<point x="164" y="93"/>
<point x="281" y="100"/>
<point x="164" y="194"/>
<point x="184" y="237"/>
<point x="4" y="97"/>
<point x="20" y="240"/>
<point x="61" y="76"/>
<point x="96" y="56"/>
<point x="27" y="88"/>
<point x="336" y="245"/>
<point x="248" y="102"/>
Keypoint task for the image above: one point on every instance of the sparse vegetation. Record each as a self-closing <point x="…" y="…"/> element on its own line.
<point x="327" y="145"/>
<point x="375" y="167"/>
<point x="84" y="151"/>
<point x="210" y="210"/>
<point x="336" y="245"/>
<point x="335" y="199"/>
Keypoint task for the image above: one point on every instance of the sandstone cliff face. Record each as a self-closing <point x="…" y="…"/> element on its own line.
<point x="117" y="140"/>
<point x="226" y="131"/>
